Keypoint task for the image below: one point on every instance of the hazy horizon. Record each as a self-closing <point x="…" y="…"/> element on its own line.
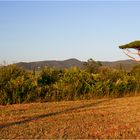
<point x="59" y="30"/>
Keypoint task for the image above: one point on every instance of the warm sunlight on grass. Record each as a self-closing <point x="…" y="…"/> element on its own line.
<point x="106" y="118"/>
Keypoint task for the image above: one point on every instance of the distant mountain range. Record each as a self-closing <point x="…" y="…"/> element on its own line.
<point x="125" y="64"/>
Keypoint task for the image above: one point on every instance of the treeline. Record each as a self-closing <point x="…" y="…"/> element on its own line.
<point x="49" y="84"/>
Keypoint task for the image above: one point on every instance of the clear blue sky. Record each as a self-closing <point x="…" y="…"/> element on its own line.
<point x="58" y="30"/>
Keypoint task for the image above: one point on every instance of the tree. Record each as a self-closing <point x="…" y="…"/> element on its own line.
<point x="92" y="66"/>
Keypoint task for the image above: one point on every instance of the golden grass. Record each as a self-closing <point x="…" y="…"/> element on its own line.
<point x="104" y="118"/>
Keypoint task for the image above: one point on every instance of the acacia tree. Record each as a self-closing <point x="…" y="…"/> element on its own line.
<point x="129" y="48"/>
<point x="92" y="66"/>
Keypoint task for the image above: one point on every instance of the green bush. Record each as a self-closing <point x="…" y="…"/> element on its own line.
<point x="18" y="85"/>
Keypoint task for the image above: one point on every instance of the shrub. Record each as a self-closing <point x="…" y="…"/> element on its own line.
<point x="18" y="85"/>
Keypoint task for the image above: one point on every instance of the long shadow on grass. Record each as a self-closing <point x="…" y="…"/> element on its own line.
<point x="51" y="114"/>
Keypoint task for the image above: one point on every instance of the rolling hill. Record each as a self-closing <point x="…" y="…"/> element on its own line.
<point x="126" y="64"/>
<point x="52" y="63"/>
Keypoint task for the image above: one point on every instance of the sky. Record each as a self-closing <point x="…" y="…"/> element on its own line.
<point x="59" y="30"/>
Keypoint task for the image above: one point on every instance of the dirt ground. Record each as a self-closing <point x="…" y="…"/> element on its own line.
<point x="95" y="119"/>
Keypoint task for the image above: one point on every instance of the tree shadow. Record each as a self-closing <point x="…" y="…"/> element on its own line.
<point x="51" y="114"/>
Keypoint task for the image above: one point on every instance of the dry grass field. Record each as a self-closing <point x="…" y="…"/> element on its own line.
<point x="103" y="118"/>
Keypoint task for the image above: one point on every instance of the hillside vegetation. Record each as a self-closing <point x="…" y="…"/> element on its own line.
<point x="85" y="119"/>
<point x="50" y="84"/>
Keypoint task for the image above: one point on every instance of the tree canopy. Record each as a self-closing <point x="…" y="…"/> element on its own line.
<point x="133" y="45"/>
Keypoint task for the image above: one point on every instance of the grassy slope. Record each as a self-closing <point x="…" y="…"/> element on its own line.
<point x="106" y="118"/>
